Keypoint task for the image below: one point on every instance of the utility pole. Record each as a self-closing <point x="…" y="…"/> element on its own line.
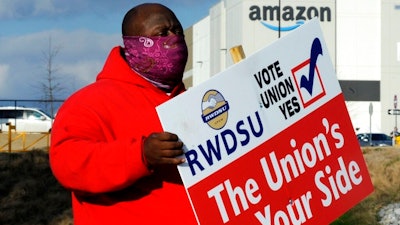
<point x="371" y="109"/>
<point x="395" y="120"/>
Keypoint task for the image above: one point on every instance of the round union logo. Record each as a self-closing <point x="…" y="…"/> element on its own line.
<point x="214" y="109"/>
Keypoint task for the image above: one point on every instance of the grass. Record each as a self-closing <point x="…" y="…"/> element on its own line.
<point x="29" y="194"/>
<point x="384" y="168"/>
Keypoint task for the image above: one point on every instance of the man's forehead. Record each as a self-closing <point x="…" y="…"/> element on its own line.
<point x="158" y="17"/>
<point x="147" y="17"/>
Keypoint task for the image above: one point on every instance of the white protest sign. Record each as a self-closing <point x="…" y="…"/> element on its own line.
<point x="269" y="140"/>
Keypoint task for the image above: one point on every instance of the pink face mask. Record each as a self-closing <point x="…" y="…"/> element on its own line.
<point x="160" y="60"/>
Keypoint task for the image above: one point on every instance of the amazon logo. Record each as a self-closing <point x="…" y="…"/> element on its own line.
<point x="269" y="15"/>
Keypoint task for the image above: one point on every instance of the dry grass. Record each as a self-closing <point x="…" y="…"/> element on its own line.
<point x="384" y="168"/>
<point x="29" y="194"/>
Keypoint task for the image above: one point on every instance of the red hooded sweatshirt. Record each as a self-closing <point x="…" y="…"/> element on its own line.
<point x="96" y="152"/>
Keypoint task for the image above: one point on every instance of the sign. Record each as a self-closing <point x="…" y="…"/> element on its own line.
<point x="269" y="140"/>
<point x="394" y="111"/>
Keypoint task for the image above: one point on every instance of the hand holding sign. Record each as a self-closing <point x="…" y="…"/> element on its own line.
<point x="162" y="149"/>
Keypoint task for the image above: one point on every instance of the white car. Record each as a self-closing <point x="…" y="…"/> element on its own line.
<point x="24" y="119"/>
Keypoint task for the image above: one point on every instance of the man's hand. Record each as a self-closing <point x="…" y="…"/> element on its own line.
<point x="162" y="148"/>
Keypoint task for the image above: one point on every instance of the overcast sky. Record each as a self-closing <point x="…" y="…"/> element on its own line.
<point x="83" y="32"/>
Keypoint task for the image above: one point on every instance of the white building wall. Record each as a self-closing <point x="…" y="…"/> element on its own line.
<point x="358" y="55"/>
<point x="201" y="50"/>
<point x="358" y="40"/>
<point x="390" y="83"/>
<point x="234" y="27"/>
<point x="362" y="121"/>
<point x="218" y="48"/>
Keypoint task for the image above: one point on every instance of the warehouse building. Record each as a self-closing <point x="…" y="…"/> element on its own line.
<point x="362" y="36"/>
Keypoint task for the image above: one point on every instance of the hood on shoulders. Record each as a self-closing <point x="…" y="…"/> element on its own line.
<point x="116" y="68"/>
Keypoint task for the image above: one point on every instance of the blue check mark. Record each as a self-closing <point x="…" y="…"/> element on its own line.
<point x="316" y="50"/>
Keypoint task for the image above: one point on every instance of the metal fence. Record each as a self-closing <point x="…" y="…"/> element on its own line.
<point x="12" y="141"/>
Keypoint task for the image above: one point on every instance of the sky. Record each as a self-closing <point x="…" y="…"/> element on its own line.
<point x="81" y="34"/>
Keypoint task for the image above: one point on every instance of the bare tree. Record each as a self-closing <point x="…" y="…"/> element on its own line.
<point x="50" y="86"/>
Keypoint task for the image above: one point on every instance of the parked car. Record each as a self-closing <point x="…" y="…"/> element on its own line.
<point x="378" y="139"/>
<point x="24" y="119"/>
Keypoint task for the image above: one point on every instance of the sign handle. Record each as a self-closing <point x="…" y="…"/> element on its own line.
<point x="237" y="53"/>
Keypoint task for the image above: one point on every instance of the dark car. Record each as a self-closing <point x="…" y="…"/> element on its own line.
<point x="378" y="139"/>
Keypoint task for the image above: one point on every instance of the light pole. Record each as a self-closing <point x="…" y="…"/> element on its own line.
<point x="371" y="109"/>
<point x="395" y="120"/>
<point x="279" y="20"/>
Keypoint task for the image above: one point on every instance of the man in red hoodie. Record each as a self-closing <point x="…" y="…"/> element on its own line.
<point x="107" y="144"/>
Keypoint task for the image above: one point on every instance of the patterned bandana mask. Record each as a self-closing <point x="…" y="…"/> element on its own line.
<point x="160" y="60"/>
